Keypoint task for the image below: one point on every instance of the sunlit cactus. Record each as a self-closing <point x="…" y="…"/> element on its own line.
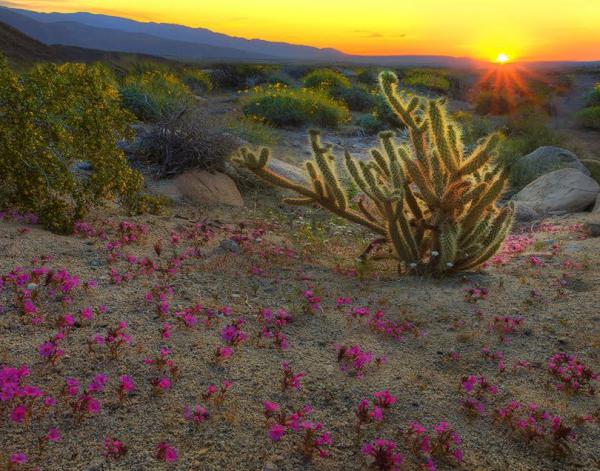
<point x="433" y="204"/>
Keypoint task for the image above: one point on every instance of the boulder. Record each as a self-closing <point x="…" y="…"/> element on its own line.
<point x="201" y="187"/>
<point x="596" y="208"/>
<point x="289" y="171"/>
<point x="594" y="167"/>
<point x="524" y="213"/>
<point x="592" y="225"/>
<point x="544" y="160"/>
<point x="562" y="191"/>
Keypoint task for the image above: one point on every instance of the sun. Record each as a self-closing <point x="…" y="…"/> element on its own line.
<point x="502" y="58"/>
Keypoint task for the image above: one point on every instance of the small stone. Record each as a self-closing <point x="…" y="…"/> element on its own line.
<point x="592" y="225"/>
<point x="229" y="245"/>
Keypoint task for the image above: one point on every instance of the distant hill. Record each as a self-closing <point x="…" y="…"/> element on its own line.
<point x="22" y="51"/>
<point x="190" y="44"/>
<point x="71" y="33"/>
<point x="256" y="48"/>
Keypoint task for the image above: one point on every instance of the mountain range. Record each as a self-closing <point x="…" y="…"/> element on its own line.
<point x="111" y="33"/>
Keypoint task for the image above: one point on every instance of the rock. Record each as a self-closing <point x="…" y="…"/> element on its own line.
<point x="201" y="187"/>
<point x="594" y="167"/>
<point x="562" y="191"/>
<point x="545" y="160"/>
<point x="592" y="225"/>
<point x="229" y="245"/>
<point x="524" y="213"/>
<point x="289" y="171"/>
<point x="596" y="208"/>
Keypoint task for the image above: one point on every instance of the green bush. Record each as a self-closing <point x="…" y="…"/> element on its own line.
<point x="474" y="127"/>
<point x="53" y="116"/>
<point x="589" y="117"/>
<point x="526" y="131"/>
<point x="255" y="132"/>
<point x="593" y="97"/>
<point x="367" y="77"/>
<point x="279" y="105"/>
<point x="153" y="95"/>
<point x="357" y="98"/>
<point x="239" y="76"/>
<point x="197" y="80"/>
<point x="370" y="123"/>
<point x="426" y="79"/>
<point x="325" y="79"/>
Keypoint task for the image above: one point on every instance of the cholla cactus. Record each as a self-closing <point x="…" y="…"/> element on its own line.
<point x="428" y="200"/>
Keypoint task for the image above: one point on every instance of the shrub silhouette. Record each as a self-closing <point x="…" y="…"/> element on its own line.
<point x="431" y="203"/>
<point x="53" y="116"/>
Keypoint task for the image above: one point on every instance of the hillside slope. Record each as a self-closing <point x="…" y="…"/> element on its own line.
<point x="71" y="33"/>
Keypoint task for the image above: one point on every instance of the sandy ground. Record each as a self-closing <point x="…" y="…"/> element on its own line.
<point x="419" y="369"/>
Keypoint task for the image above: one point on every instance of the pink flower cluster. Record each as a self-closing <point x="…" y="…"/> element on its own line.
<point x="374" y="412"/>
<point x="115" y="339"/>
<point x="114" y="449"/>
<point x="505" y="326"/>
<point x="85" y="403"/>
<point x="315" y="439"/>
<point x="290" y="379"/>
<point x="478" y="390"/>
<point x="573" y="375"/>
<point x="446" y="443"/>
<point x="533" y="423"/>
<point x="382" y="455"/>
<point x="272" y="325"/>
<point x="475" y="293"/>
<point x="354" y="360"/>
<point x="313" y="302"/>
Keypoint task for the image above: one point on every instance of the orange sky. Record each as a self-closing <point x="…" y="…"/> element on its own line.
<point x="522" y="29"/>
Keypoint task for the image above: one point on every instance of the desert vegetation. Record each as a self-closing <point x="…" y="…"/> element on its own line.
<point x="398" y="312"/>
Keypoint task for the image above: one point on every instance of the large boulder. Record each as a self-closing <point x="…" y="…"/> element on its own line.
<point x="562" y="191"/>
<point x="289" y="171"/>
<point x="200" y="187"/>
<point x="544" y="160"/>
<point x="596" y="208"/>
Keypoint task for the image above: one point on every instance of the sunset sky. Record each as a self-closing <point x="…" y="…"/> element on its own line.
<point x="521" y="29"/>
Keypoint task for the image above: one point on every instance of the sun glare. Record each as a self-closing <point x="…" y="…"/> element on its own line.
<point x="502" y="59"/>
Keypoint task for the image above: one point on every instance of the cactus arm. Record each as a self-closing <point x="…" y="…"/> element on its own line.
<point x="250" y="161"/>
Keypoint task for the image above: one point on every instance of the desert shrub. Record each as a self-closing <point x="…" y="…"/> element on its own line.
<point x="526" y="131"/>
<point x="370" y="123"/>
<point x="494" y="102"/>
<point x="367" y="77"/>
<point x="474" y="127"/>
<point x="325" y="79"/>
<point x="154" y="95"/>
<point x="427" y="79"/>
<point x="197" y="80"/>
<point x="356" y="98"/>
<point x="184" y="140"/>
<point x="431" y="205"/>
<point x="593" y="97"/>
<point x="239" y="76"/>
<point x="53" y="116"/>
<point x="279" y="105"/>
<point x="589" y="117"/>
<point x="253" y="131"/>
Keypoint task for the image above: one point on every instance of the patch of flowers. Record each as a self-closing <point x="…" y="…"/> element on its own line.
<point x="571" y="374"/>
<point x="532" y="423"/>
<point x="355" y="361"/>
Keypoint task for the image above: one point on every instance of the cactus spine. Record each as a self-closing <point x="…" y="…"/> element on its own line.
<point x="432" y="202"/>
